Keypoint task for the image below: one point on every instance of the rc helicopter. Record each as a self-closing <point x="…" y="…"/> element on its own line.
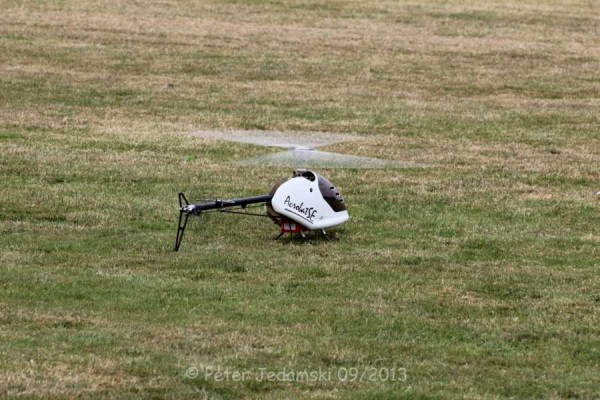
<point x="305" y="202"/>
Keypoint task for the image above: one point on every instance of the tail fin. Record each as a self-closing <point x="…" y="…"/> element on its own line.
<point x="183" y="219"/>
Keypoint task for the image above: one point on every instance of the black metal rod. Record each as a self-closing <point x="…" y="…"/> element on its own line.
<point x="196" y="209"/>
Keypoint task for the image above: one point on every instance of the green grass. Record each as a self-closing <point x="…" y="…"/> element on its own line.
<point x="477" y="275"/>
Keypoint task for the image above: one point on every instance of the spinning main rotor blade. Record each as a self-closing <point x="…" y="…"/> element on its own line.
<point x="323" y="159"/>
<point x="300" y="147"/>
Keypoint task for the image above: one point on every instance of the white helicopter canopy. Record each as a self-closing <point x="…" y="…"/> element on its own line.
<point x="310" y="200"/>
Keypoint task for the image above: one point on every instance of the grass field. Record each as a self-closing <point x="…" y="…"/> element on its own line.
<point x="476" y="277"/>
